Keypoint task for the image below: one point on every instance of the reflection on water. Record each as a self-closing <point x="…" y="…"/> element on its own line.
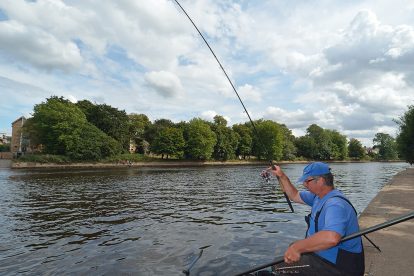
<point x="148" y="221"/>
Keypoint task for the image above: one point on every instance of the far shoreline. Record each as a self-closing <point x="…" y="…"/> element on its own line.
<point x="167" y="163"/>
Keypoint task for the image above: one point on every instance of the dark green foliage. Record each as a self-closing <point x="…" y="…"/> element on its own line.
<point x="87" y="142"/>
<point x="244" y="147"/>
<point x="152" y="130"/>
<point x="169" y="141"/>
<point x="289" y="148"/>
<point x="386" y="145"/>
<point x="61" y="127"/>
<point x="200" y="140"/>
<point x="355" y="149"/>
<point x="405" y="138"/>
<point x="227" y="140"/>
<point x="306" y="146"/>
<point x="4" y="147"/>
<point x="110" y="120"/>
<point x="44" y="158"/>
<point x="52" y="119"/>
<point x="138" y="123"/>
<point x="268" y="143"/>
<point x="339" y="145"/>
<point x="322" y="144"/>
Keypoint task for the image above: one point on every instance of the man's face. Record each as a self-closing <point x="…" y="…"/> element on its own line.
<point x="312" y="184"/>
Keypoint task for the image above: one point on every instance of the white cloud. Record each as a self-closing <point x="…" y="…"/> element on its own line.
<point x="37" y="47"/>
<point x="345" y="65"/>
<point x="250" y="93"/>
<point x="165" y="83"/>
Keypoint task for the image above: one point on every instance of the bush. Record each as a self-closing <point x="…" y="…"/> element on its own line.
<point x="44" y="158"/>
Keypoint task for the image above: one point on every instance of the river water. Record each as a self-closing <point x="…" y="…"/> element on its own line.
<point x="154" y="221"/>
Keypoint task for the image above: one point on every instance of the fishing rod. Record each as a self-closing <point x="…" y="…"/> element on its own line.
<point x="281" y="259"/>
<point x="235" y="91"/>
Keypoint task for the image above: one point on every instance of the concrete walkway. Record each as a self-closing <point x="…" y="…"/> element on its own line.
<point x="5" y="163"/>
<point x="397" y="241"/>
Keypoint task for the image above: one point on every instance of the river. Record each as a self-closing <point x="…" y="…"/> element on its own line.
<point x="154" y="221"/>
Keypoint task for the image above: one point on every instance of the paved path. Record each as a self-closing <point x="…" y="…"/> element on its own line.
<point x="397" y="241"/>
<point x="5" y="163"/>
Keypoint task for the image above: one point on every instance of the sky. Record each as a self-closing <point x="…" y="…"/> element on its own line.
<point x="343" y="65"/>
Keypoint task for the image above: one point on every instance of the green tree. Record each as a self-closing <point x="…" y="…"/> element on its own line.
<point x="307" y="147"/>
<point x="61" y="127"/>
<point x="355" y="149"/>
<point x="268" y="143"/>
<point x="138" y="123"/>
<point x="405" y="137"/>
<point x="200" y="140"/>
<point x="322" y="140"/>
<point x="52" y="119"/>
<point x="110" y="120"/>
<point x="87" y="142"/>
<point x="339" y="145"/>
<point x="227" y="140"/>
<point x="289" y="148"/>
<point x="169" y="141"/>
<point x="152" y="130"/>
<point x="245" y="142"/>
<point x="386" y="145"/>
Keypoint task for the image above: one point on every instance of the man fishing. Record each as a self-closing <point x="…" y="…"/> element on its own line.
<point x="332" y="217"/>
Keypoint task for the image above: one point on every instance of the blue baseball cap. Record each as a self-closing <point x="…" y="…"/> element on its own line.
<point x="314" y="169"/>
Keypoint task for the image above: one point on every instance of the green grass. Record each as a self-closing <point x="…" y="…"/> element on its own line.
<point x="44" y="158"/>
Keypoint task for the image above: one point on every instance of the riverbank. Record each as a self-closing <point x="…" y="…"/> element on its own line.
<point x="163" y="163"/>
<point x="396" y="242"/>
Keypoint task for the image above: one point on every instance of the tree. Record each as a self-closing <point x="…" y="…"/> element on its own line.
<point x="152" y="130"/>
<point x="52" y="119"/>
<point x="339" y="145"/>
<point x="355" y="149"/>
<point x="386" y="145"/>
<point x="244" y="147"/>
<point x="169" y="141"/>
<point x="227" y="140"/>
<point x="200" y="140"/>
<point x="110" y="120"/>
<point x="322" y="140"/>
<point x="289" y="148"/>
<point x="307" y="147"/>
<point x="138" y="123"/>
<point x="87" y="142"/>
<point x="61" y="127"/>
<point x="268" y="143"/>
<point x="405" y="137"/>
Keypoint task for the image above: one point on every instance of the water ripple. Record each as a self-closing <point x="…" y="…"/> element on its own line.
<point x="150" y="221"/>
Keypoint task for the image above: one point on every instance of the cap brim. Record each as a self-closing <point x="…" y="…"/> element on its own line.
<point x="302" y="178"/>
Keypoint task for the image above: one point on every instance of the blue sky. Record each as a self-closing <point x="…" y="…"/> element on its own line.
<point x="344" y="65"/>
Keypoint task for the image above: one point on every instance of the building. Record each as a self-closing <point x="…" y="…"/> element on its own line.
<point x="4" y="139"/>
<point x="18" y="143"/>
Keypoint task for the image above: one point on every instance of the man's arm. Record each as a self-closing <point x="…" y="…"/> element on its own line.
<point x="287" y="186"/>
<point x="319" y="241"/>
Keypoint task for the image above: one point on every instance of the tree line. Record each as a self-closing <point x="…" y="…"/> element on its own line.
<point x="89" y="131"/>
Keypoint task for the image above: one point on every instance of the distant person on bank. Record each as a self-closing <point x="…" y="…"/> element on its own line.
<point x="332" y="217"/>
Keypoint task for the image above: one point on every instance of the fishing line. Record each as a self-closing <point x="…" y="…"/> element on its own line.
<point x="235" y="91"/>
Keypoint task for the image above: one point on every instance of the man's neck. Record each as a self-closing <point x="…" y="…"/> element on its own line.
<point x="326" y="190"/>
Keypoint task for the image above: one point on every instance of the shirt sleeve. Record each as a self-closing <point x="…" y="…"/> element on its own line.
<point x="307" y="197"/>
<point x="336" y="218"/>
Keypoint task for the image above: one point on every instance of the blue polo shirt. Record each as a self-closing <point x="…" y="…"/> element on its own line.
<point x="337" y="215"/>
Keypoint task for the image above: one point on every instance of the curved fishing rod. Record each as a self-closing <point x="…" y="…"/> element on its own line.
<point x="281" y="259"/>
<point x="235" y="91"/>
